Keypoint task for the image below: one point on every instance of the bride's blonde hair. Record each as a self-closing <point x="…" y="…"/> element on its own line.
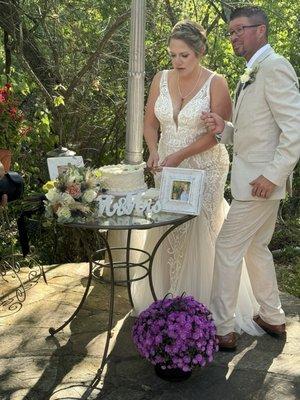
<point x="192" y="33"/>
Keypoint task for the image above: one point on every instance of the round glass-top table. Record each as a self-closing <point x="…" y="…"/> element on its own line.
<point x="122" y="223"/>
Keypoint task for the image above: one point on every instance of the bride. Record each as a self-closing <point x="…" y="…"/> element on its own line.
<point x="176" y="101"/>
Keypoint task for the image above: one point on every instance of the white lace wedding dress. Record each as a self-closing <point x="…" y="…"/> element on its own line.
<point x="185" y="260"/>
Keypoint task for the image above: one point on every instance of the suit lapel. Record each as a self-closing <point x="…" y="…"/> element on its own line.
<point x="238" y="101"/>
<point x="238" y="91"/>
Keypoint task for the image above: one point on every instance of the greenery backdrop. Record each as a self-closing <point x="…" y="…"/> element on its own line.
<point x="67" y="61"/>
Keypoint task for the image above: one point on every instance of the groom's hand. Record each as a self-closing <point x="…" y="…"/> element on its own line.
<point x="172" y="160"/>
<point x="262" y="187"/>
<point x="213" y="122"/>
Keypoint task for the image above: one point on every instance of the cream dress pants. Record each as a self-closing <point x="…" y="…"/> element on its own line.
<point x="246" y="233"/>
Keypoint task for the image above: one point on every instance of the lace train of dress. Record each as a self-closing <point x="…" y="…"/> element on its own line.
<point x="184" y="262"/>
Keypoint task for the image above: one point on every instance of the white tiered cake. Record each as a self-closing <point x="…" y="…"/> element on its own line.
<point x="121" y="179"/>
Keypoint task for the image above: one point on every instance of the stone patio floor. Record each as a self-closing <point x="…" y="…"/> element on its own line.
<point x="35" y="366"/>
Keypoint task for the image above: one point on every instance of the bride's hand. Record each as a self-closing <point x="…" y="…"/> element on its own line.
<point x="172" y="160"/>
<point x="153" y="161"/>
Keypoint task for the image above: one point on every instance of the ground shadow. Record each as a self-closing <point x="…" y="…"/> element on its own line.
<point x="87" y="325"/>
<point x="239" y="375"/>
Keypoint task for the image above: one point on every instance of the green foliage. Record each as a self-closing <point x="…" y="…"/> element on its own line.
<point x="53" y="243"/>
<point x="29" y="146"/>
<point x="288" y="276"/>
<point x="66" y="34"/>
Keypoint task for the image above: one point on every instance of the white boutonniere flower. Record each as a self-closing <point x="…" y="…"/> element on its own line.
<point x="249" y="75"/>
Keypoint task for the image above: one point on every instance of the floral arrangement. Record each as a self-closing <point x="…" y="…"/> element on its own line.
<point x="176" y="333"/>
<point x="249" y="75"/>
<point x="12" y="120"/>
<point x="73" y="195"/>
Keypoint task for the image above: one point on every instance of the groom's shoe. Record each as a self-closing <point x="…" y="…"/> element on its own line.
<point x="273" y="330"/>
<point x="227" y="342"/>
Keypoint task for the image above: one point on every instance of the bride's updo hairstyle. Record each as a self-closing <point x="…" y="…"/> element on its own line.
<point x="192" y="34"/>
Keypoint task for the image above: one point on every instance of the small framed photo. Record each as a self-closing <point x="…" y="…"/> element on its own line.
<point x="58" y="165"/>
<point x="181" y="190"/>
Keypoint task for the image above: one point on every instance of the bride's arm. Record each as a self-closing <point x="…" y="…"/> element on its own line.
<point x="220" y="104"/>
<point x="151" y="123"/>
<point x="220" y="101"/>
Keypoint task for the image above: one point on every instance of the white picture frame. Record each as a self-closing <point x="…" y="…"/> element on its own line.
<point x="56" y="165"/>
<point x="181" y="190"/>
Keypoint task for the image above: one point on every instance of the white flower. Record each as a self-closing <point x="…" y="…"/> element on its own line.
<point x="63" y="214"/>
<point x="249" y="75"/>
<point x="73" y="195"/>
<point x="246" y="75"/>
<point x="67" y="199"/>
<point x="73" y="175"/>
<point x="53" y="195"/>
<point x="89" y="196"/>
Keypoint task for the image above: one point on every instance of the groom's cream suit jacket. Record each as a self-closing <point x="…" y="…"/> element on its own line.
<point x="265" y="129"/>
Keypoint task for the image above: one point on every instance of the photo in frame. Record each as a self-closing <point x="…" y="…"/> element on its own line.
<point x="57" y="165"/>
<point x="181" y="190"/>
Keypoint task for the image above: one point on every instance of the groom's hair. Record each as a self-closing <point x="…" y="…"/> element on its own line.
<point x="256" y="14"/>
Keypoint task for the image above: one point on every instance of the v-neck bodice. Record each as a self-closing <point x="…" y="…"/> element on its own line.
<point x="189" y="124"/>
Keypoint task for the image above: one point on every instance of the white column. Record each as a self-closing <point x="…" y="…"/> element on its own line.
<point x="135" y="113"/>
<point x="136" y="76"/>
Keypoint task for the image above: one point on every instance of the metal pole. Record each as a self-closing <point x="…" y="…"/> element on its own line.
<point x="136" y="75"/>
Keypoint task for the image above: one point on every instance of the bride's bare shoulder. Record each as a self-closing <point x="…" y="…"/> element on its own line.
<point x="157" y="77"/>
<point x="218" y="79"/>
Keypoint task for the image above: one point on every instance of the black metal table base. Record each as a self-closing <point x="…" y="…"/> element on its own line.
<point x="95" y="264"/>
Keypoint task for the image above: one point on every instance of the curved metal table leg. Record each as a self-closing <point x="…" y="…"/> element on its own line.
<point x="52" y="330"/>
<point x="128" y="283"/>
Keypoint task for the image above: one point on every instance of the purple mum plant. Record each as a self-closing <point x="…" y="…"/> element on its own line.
<point x="176" y="333"/>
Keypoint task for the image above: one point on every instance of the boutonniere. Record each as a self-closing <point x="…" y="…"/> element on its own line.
<point x="248" y="76"/>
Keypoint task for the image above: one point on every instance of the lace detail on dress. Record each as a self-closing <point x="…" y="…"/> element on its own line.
<point x="214" y="161"/>
<point x="190" y="127"/>
<point x="176" y="251"/>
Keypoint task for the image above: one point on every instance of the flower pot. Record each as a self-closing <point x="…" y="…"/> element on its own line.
<point x="172" y="375"/>
<point x="5" y="159"/>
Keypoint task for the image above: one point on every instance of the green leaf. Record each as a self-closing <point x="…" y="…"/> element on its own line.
<point x="45" y="120"/>
<point x="58" y="101"/>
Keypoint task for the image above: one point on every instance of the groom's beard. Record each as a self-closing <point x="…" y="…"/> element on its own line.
<point x="239" y="50"/>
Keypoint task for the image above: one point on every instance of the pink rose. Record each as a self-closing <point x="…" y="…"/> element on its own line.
<point x="74" y="190"/>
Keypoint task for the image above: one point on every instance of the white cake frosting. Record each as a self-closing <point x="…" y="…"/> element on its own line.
<point x="124" y="178"/>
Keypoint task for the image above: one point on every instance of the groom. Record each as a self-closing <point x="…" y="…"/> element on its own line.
<point x="265" y="133"/>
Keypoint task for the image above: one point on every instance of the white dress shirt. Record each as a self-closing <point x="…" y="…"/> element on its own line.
<point x="257" y="54"/>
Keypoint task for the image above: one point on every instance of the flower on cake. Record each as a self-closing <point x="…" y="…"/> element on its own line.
<point x="176" y="333"/>
<point x="73" y="195"/>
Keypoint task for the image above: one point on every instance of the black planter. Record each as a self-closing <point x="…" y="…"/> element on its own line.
<point x="172" y="375"/>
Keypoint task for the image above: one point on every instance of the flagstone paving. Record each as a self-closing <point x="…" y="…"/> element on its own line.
<point x="34" y="366"/>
